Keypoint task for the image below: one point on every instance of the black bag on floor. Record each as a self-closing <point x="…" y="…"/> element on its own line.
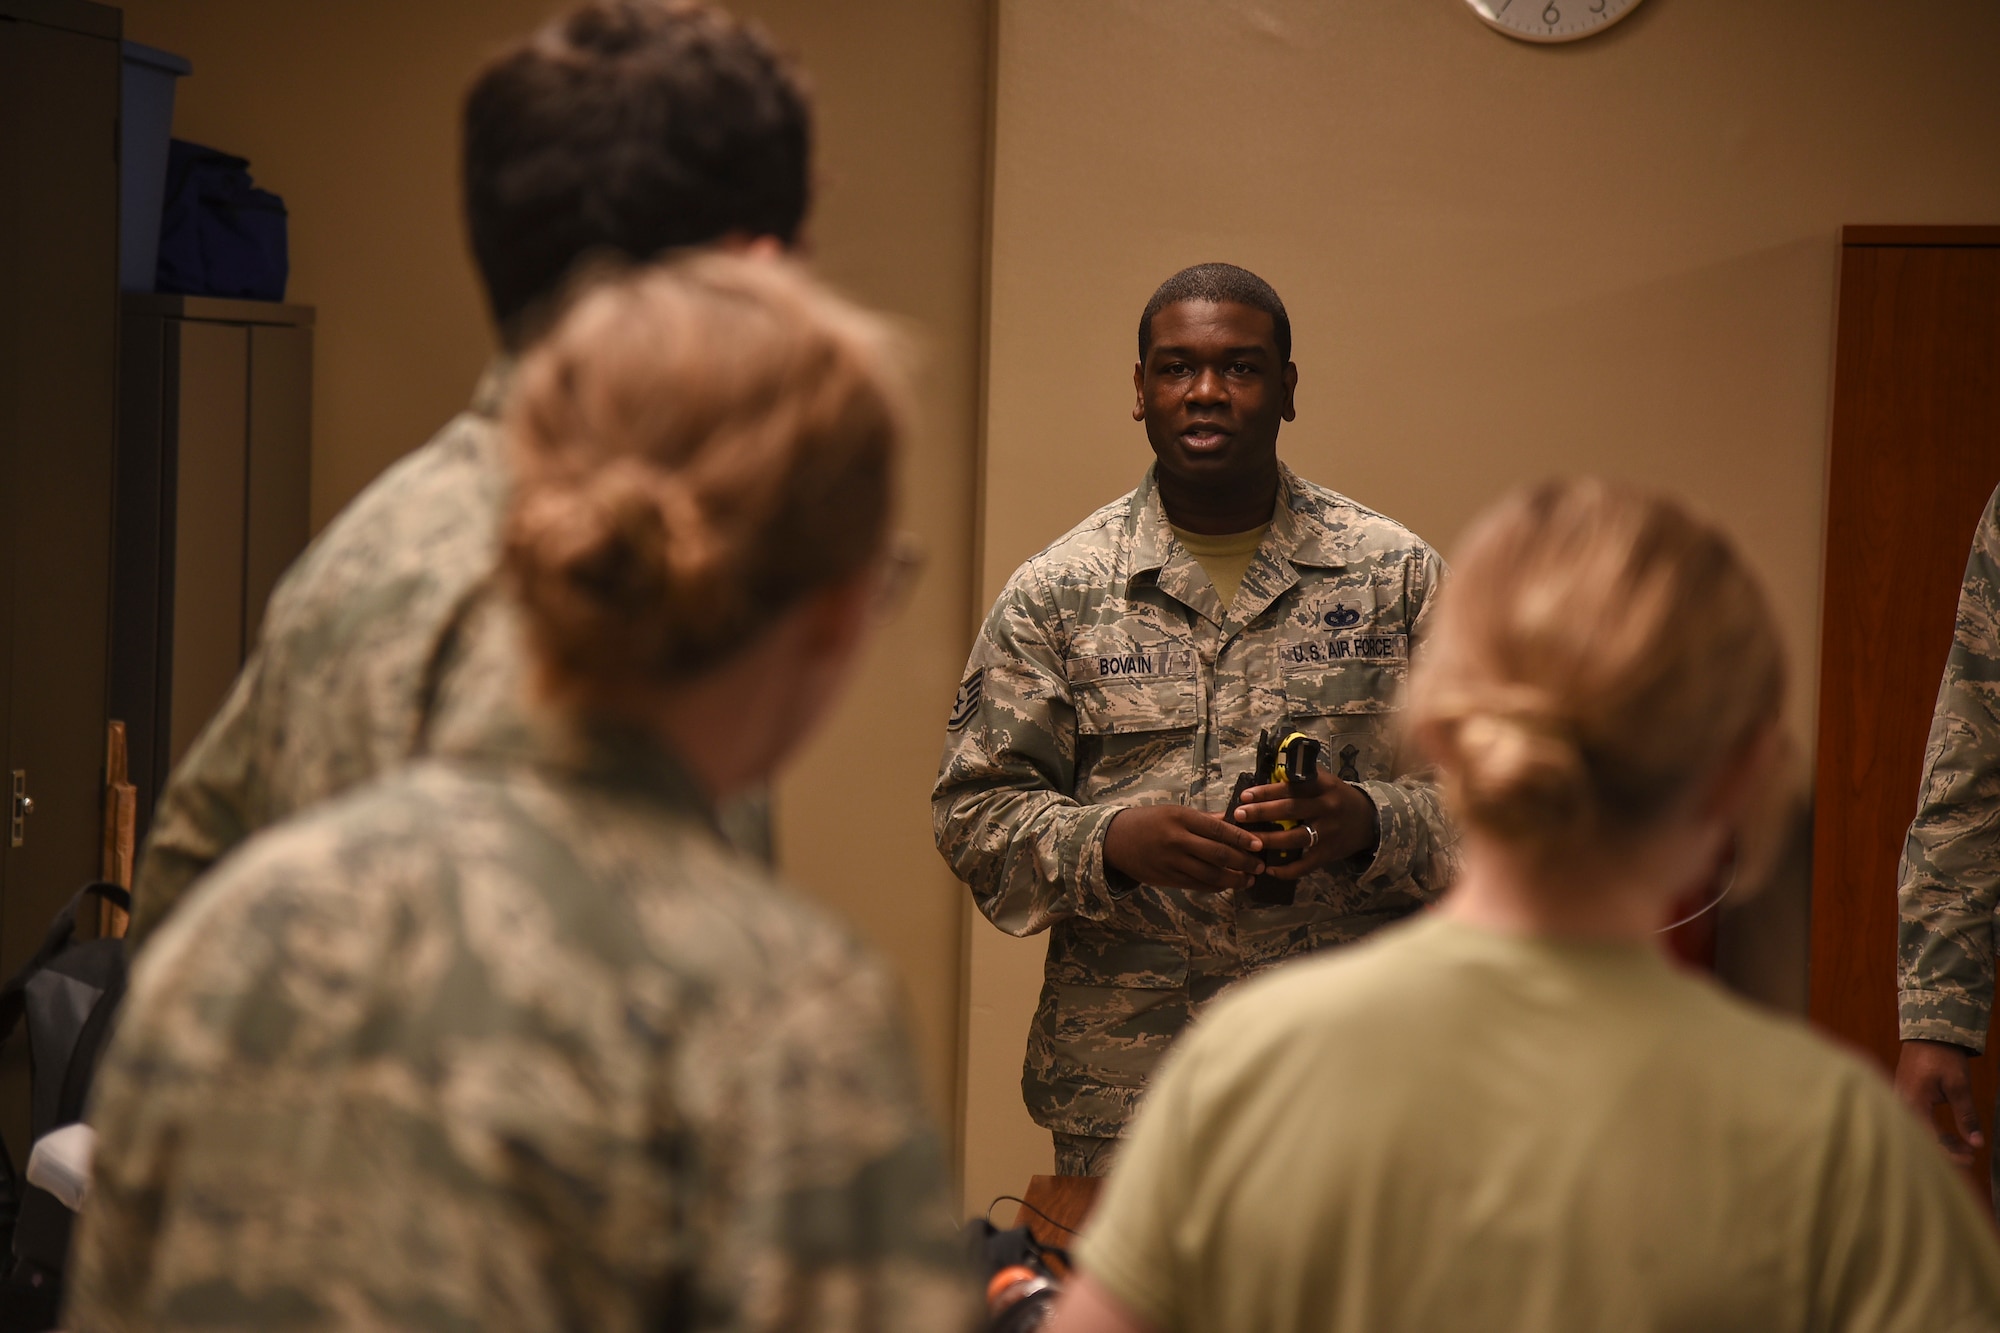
<point x="68" y="992"/>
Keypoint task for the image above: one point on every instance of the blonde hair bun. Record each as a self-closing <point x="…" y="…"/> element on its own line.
<point x="696" y="445"/>
<point x="1520" y="773"/>
<point x="1599" y="654"/>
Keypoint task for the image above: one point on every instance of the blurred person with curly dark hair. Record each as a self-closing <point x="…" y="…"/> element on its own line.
<point x="515" y="1040"/>
<point x="624" y="128"/>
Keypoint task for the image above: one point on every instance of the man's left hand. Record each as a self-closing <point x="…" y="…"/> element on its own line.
<point x="1340" y="815"/>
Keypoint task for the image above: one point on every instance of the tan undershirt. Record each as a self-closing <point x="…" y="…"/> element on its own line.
<point x="1224" y="557"/>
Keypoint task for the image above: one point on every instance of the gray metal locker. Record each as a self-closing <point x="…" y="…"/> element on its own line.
<point x="214" y="478"/>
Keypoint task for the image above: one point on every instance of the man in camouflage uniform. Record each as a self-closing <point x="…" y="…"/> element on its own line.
<point x="624" y="126"/>
<point x="1950" y="875"/>
<point x="1117" y="690"/>
<point x="512" y="1046"/>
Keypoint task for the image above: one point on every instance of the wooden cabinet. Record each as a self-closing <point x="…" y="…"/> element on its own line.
<point x="1915" y="453"/>
<point x="59" y="74"/>
<point x="213" y="482"/>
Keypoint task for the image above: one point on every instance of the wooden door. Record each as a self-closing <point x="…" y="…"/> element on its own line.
<point x="59" y="71"/>
<point x="1915" y="454"/>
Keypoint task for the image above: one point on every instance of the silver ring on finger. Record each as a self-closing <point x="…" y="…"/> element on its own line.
<point x="1312" y="838"/>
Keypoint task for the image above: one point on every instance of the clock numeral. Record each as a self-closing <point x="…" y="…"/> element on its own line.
<point x="1552" y="15"/>
<point x="1597" y="8"/>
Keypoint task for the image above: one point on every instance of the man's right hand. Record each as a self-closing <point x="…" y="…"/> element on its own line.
<point x="1930" y="1072"/>
<point x="1178" y="848"/>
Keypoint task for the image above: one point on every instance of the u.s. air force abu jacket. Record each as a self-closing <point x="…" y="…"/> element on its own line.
<point x="1109" y="675"/>
<point x="512" y="1042"/>
<point x="1950" y="874"/>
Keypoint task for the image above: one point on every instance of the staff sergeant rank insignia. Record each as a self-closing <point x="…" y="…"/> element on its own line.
<point x="967" y="702"/>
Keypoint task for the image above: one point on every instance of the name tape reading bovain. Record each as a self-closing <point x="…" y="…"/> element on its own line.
<point x="1180" y="661"/>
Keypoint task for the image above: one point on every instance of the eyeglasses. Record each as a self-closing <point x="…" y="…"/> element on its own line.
<point x="896" y="573"/>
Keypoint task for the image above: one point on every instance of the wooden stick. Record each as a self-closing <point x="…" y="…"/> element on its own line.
<point x="121" y="813"/>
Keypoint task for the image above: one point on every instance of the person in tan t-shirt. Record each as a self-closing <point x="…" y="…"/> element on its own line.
<point x="1514" y="1112"/>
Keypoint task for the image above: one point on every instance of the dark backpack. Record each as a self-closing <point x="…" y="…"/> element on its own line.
<point x="69" y="992"/>
<point x="219" y="234"/>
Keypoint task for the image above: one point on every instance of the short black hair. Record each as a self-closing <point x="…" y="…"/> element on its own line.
<point x="628" y="127"/>
<point x="1218" y="282"/>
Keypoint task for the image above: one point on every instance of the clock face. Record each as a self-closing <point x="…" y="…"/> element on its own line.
<point x="1552" y="20"/>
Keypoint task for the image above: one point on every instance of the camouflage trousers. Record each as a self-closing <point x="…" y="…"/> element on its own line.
<point x="1084" y="1154"/>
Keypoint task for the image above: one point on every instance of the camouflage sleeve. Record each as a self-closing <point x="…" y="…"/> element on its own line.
<point x="1949" y="881"/>
<point x="1002" y="811"/>
<point x="1897" y="1240"/>
<point x="205" y="810"/>
<point x="829" y="1209"/>
<point x="1415" y="850"/>
<point x="111" y="1255"/>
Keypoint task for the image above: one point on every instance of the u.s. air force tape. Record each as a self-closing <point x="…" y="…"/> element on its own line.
<point x="1345" y="648"/>
<point x="967" y="702"/>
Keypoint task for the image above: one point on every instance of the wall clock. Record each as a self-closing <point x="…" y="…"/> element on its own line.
<point x="1551" y="20"/>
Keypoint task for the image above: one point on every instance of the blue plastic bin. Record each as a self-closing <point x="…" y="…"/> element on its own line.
<point x="146" y="123"/>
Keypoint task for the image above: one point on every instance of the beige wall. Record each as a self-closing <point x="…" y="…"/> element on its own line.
<point x="350" y="112"/>
<point x="1500" y="261"/>
<point x="903" y="87"/>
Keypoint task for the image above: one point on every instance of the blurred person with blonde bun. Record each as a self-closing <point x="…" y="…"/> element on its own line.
<point x="1515" y="1113"/>
<point x="515" y="1040"/>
